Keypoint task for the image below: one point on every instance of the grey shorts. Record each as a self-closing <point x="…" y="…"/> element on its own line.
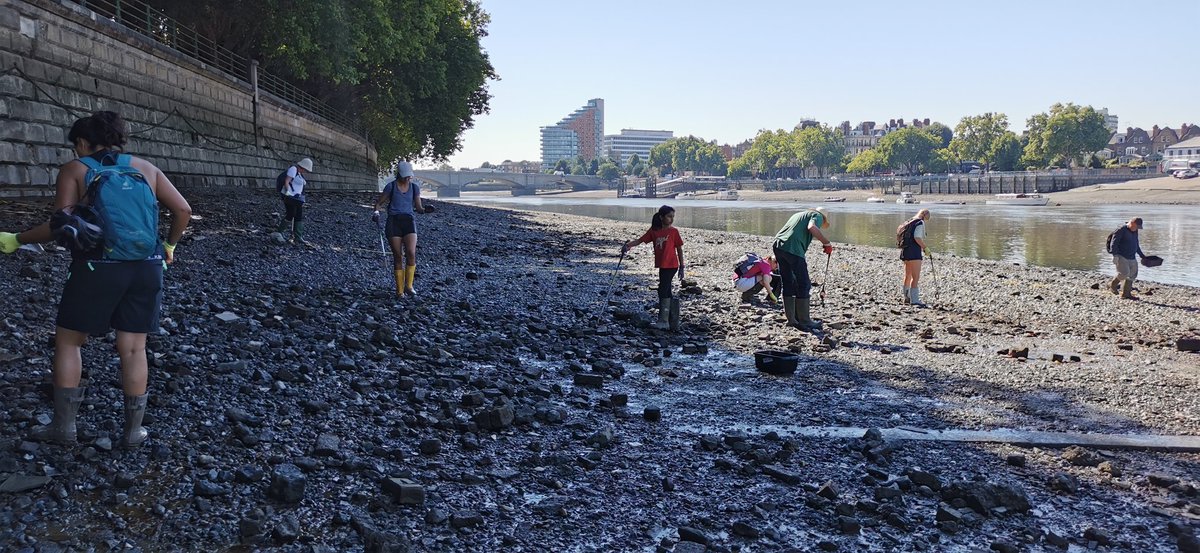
<point x="1126" y="268"/>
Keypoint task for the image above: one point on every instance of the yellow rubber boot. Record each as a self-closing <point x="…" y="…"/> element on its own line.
<point x="400" y="283"/>
<point x="410" y="274"/>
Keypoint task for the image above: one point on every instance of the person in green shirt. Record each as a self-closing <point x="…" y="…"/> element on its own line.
<point x="791" y="243"/>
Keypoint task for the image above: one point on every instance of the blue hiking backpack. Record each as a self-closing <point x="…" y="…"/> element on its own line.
<point x="745" y="262"/>
<point x="125" y="208"/>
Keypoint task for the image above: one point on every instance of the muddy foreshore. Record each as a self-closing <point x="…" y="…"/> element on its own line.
<point x="504" y="408"/>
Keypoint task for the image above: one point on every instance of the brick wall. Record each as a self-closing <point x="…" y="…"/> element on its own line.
<point x="58" y="63"/>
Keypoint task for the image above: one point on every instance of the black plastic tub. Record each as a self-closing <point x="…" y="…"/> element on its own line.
<point x="773" y="361"/>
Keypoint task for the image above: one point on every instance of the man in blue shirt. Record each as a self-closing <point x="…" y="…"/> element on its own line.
<point x="1124" y="247"/>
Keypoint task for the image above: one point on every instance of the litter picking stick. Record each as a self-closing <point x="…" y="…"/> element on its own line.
<point x="826" y="279"/>
<point x="612" y="280"/>
<point x="933" y="269"/>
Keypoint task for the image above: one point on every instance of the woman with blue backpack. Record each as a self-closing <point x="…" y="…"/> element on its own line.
<point x="107" y="215"/>
<point x="402" y="197"/>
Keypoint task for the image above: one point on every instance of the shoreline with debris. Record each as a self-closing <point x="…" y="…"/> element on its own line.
<point x="1156" y="191"/>
<point x="295" y="401"/>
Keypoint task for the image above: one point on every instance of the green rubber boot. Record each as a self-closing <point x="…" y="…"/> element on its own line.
<point x="61" y="429"/>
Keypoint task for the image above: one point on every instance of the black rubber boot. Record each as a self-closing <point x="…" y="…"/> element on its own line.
<point x="284" y="226"/>
<point x="789" y="309"/>
<point x="1127" y="290"/>
<point x="298" y="232"/>
<point x="664" y="314"/>
<point x="1115" y="285"/>
<point x="61" y="429"/>
<point x="135" y="409"/>
<point x="674" y="318"/>
<point x="803" y="320"/>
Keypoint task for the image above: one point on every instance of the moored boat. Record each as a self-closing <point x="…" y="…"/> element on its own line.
<point x="875" y="200"/>
<point x="1019" y="199"/>
<point x="906" y="198"/>
<point x="727" y="194"/>
<point x="835" y="199"/>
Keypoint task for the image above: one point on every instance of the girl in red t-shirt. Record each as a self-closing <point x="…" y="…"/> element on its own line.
<point x="668" y="257"/>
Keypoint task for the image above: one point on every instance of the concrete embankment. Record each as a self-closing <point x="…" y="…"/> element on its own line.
<point x="297" y="403"/>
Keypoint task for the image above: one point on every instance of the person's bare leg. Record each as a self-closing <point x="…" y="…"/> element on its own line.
<point x="131" y="347"/>
<point x="68" y="359"/>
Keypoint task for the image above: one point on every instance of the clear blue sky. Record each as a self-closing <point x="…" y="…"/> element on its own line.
<point x="723" y="70"/>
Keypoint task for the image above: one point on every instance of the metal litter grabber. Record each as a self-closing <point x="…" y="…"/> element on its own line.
<point x="613" y="280"/>
<point x="933" y="270"/>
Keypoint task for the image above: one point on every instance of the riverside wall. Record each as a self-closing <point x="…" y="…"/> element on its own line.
<point x="60" y="61"/>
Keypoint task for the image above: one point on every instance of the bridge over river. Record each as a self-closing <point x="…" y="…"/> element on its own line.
<point x="450" y="184"/>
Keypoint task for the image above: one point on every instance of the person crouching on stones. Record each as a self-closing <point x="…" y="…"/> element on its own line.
<point x="790" y="246"/>
<point x="402" y="197"/>
<point x="757" y="277"/>
<point x="1125" y="246"/>
<point x="668" y="257"/>
<point x="292" y="195"/>
<point x="912" y="245"/>
<point x="116" y="275"/>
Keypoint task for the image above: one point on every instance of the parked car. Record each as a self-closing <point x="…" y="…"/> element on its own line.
<point x="1186" y="173"/>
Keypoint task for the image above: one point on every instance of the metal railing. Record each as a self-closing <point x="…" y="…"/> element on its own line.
<point x="145" y="20"/>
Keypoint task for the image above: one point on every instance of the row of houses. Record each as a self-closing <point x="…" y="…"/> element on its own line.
<point x="1136" y="144"/>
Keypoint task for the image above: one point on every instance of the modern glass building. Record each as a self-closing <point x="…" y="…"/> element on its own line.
<point x="579" y="134"/>
<point x="634" y="141"/>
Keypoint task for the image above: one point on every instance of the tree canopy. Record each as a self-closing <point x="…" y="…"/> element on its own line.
<point x="413" y="71"/>
<point x="910" y="148"/>
<point x="977" y="137"/>
<point x="1064" y="135"/>
<point x="688" y="154"/>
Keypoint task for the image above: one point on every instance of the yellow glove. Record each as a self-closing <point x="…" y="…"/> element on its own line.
<point x="170" y="249"/>
<point x="9" y="242"/>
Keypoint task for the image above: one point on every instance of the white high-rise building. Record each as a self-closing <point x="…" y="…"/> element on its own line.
<point x="634" y="141"/>
<point x="1110" y="120"/>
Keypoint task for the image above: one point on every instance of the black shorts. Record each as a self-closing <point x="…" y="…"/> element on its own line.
<point x="911" y="253"/>
<point x="123" y="296"/>
<point x="399" y="226"/>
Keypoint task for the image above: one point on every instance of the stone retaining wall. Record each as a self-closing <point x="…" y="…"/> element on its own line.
<point x="59" y="62"/>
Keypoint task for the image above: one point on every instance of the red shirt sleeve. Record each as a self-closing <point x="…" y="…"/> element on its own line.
<point x="646" y="238"/>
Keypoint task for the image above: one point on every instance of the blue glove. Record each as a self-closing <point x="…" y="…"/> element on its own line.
<point x="9" y="242"/>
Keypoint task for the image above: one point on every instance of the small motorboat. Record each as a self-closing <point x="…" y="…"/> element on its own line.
<point x="727" y="194"/>
<point x="906" y="198"/>
<point x="875" y="200"/>
<point x="1019" y="199"/>
<point x="835" y="199"/>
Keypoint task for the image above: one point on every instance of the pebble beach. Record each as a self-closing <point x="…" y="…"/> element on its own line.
<point x="521" y="402"/>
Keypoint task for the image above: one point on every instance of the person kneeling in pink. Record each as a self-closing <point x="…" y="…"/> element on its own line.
<point x="755" y="276"/>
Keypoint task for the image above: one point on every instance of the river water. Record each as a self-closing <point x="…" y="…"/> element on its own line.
<point x="1069" y="237"/>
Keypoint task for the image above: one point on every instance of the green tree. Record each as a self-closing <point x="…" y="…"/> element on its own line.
<point x="689" y="153"/>
<point x="593" y="166"/>
<point x="1006" y="152"/>
<point x="1064" y="135"/>
<point x="909" y="148"/>
<point x="818" y="146"/>
<point x="866" y="162"/>
<point x="412" y="71"/>
<point x="608" y="172"/>
<point x="976" y="137"/>
<point x="942" y="132"/>
<point x="485" y="165"/>
<point x="634" y="160"/>
<point x="562" y="165"/>
<point x="943" y="161"/>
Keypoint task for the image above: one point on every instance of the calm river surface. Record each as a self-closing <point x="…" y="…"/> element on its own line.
<point x="1070" y="237"/>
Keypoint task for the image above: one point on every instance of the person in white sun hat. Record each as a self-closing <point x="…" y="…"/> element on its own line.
<point x="291" y="189"/>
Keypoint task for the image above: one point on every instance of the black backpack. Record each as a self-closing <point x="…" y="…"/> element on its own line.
<point x="281" y="180"/>
<point x="904" y="232"/>
<point x="1112" y="236"/>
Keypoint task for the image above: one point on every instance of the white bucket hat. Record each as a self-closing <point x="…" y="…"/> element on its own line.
<point x="306" y="164"/>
